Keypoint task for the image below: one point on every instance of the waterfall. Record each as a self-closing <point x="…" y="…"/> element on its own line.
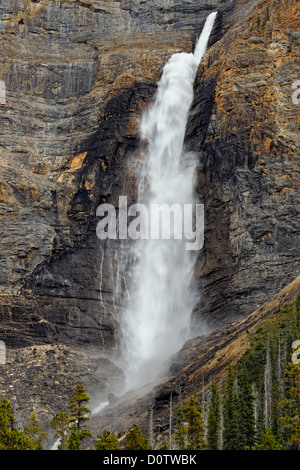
<point x="156" y="323"/>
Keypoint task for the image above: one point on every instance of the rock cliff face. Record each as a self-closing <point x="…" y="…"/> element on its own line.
<point x="78" y="74"/>
<point x="245" y="126"/>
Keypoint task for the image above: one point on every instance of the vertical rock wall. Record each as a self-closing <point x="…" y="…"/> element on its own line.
<point x="245" y="126"/>
<point x="77" y="76"/>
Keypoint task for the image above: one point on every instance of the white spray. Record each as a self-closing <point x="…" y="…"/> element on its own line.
<point x="157" y="321"/>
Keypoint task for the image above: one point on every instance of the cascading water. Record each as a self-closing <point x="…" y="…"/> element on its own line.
<point x="157" y="320"/>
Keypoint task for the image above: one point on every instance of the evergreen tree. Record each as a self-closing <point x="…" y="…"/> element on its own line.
<point x="291" y="406"/>
<point x="260" y="423"/>
<point x="6" y="417"/>
<point x="268" y="387"/>
<point x="247" y="417"/>
<point x="77" y="407"/>
<point x="268" y="441"/>
<point x="69" y="427"/>
<point x="74" y="440"/>
<point x="15" y="439"/>
<point x="231" y="436"/>
<point x="258" y="22"/>
<point x="60" y="423"/>
<point x="136" y="440"/>
<point x="213" y="418"/>
<point x="78" y="411"/>
<point x="190" y="432"/>
<point x="107" y="441"/>
<point x="275" y="412"/>
<point x="33" y="431"/>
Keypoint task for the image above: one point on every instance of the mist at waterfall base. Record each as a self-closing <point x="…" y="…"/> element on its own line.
<point x="155" y="322"/>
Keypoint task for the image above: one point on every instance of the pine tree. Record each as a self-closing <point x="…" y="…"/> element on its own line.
<point x="258" y="22"/>
<point x="6" y="417"/>
<point x="291" y="406"/>
<point x="190" y="432"/>
<point x="77" y="407"/>
<point x="78" y="411"/>
<point x="74" y="440"/>
<point x="15" y="439"/>
<point x="213" y="418"/>
<point x="60" y="423"/>
<point x="107" y="441"/>
<point x="33" y="431"/>
<point x="275" y="411"/>
<point x="69" y="427"/>
<point x="136" y="440"/>
<point x="247" y="417"/>
<point x="204" y="409"/>
<point x="268" y="441"/>
<point x="268" y="387"/>
<point x="260" y="423"/>
<point x="231" y="435"/>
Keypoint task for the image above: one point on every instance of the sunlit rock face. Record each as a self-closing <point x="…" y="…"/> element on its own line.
<point x="78" y="75"/>
<point x="244" y="123"/>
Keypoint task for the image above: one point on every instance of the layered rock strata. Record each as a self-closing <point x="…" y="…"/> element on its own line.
<point x="77" y="76"/>
<point x="244" y="124"/>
